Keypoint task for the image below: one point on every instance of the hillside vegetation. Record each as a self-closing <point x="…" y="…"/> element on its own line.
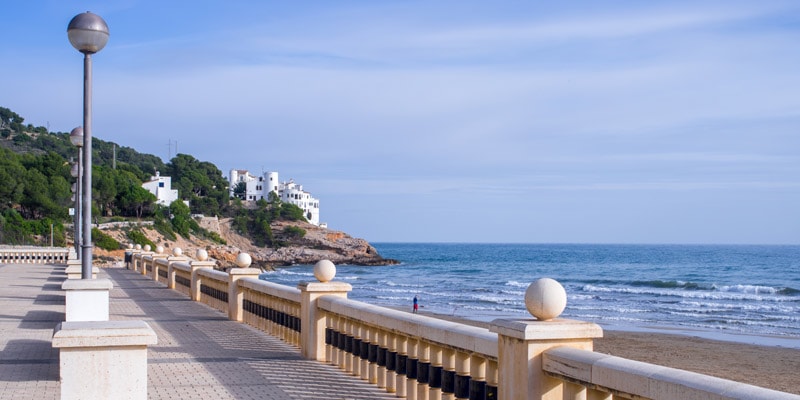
<point x="35" y="197"/>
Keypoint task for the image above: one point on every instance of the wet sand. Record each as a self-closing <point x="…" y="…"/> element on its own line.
<point x="771" y="367"/>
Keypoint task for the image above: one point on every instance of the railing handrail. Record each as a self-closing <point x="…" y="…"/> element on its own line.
<point x="34" y="254"/>
<point x="214" y="275"/>
<point x="469" y="338"/>
<point x="628" y="378"/>
<point x="273" y="289"/>
<point x="184" y="266"/>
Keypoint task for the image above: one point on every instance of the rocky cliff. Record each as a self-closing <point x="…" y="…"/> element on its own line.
<point x="317" y="244"/>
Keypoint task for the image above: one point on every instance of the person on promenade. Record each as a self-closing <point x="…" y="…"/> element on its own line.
<point x="416" y="305"/>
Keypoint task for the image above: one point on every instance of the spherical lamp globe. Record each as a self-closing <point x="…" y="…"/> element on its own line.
<point x="88" y="33"/>
<point x="545" y="299"/>
<point x="76" y="136"/>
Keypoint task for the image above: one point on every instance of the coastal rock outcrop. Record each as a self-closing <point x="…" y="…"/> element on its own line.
<point x="317" y="244"/>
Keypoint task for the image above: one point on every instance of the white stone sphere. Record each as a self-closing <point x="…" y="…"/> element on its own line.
<point x="177" y="252"/>
<point x="243" y="260"/>
<point x="545" y="299"/>
<point x="147" y="247"/>
<point x="201" y="255"/>
<point x="159" y="249"/>
<point x="130" y="246"/>
<point x="324" y="270"/>
<point x="138" y="247"/>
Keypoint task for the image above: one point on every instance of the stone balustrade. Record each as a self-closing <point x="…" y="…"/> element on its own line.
<point x="213" y="288"/>
<point x="413" y="355"/>
<point x="272" y="308"/>
<point x="420" y="357"/>
<point x="601" y="376"/>
<point x="34" y="255"/>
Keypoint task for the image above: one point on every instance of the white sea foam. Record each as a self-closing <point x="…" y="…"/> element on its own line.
<point x="749" y="289"/>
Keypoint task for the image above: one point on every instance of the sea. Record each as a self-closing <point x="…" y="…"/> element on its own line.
<point x="739" y="293"/>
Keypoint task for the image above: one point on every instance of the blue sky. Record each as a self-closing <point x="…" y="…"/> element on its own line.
<point x="453" y="121"/>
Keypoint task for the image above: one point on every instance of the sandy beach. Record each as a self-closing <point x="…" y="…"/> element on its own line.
<point x="771" y="367"/>
<point x="766" y="366"/>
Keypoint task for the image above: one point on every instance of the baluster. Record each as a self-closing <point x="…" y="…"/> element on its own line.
<point x="448" y="374"/>
<point x="491" y="379"/>
<point x="411" y="368"/>
<point x="372" y="356"/>
<point x="477" y="371"/>
<point x="462" y="378"/>
<point x="435" y="373"/>
<point x="364" y="352"/>
<point x="423" y="370"/>
<point x="391" y="361"/>
<point x="592" y="394"/>
<point x="341" y="356"/>
<point x="382" y="350"/>
<point x="402" y="356"/>
<point x="296" y="332"/>
<point x="573" y="391"/>
<point x="287" y="333"/>
<point x="330" y="338"/>
<point x="348" y="347"/>
<point x="356" y="349"/>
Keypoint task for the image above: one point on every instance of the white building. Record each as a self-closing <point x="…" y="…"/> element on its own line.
<point x="259" y="187"/>
<point x="161" y="187"/>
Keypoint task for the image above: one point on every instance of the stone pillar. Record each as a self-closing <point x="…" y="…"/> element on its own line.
<point x="312" y="323"/>
<point x="86" y="299"/>
<point x="177" y="256"/>
<point x="158" y="255"/>
<point x="522" y="342"/>
<point x="196" y="281"/>
<point x="73" y="270"/>
<point x="236" y="295"/>
<point x="145" y="256"/>
<point x="103" y="359"/>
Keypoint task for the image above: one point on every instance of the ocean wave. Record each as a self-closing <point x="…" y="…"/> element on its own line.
<point x="672" y="285"/>
<point x="730" y="294"/>
<point x="749" y="289"/>
<point x="393" y="283"/>
<point x="787" y="291"/>
<point x="739" y="306"/>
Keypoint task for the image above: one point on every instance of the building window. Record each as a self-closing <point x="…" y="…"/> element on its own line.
<point x="160" y="184"/>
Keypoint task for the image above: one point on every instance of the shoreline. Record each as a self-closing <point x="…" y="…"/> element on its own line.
<point x="769" y="366"/>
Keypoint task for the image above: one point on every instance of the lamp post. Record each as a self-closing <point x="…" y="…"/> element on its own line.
<point x="76" y="138"/>
<point x="88" y="33"/>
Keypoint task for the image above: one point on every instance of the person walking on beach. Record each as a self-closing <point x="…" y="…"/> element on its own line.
<point x="416" y="305"/>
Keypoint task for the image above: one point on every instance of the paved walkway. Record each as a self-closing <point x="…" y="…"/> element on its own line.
<point x="200" y="353"/>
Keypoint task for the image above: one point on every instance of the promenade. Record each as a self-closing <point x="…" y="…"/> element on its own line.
<point x="200" y="353"/>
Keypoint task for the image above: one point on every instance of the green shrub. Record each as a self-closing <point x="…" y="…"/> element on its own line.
<point x="104" y="241"/>
<point x="138" y="237"/>
<point x="294" y="231"/>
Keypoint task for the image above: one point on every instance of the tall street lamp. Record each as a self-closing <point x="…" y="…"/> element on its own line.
<point x="76" y="138"/>
<point x="88" y="33"/>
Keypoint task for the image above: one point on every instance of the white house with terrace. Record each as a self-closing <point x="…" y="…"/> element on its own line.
<point x="258" y="187"/>
<point x="161" y="187"/>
